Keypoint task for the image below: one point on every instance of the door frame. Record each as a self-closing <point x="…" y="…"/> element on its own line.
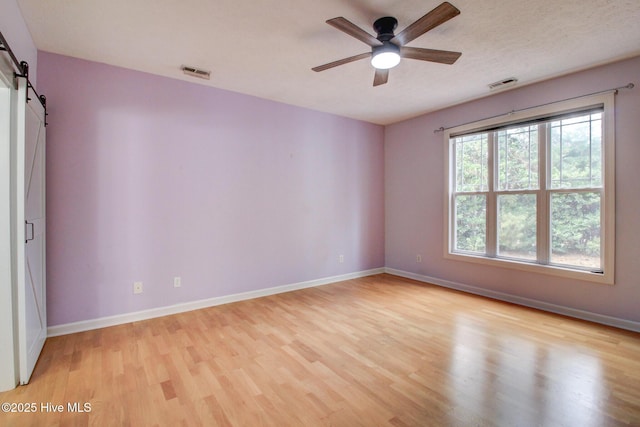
<point x="9" y="369"/>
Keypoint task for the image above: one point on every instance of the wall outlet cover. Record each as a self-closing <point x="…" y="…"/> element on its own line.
<point x="137" y="287"/>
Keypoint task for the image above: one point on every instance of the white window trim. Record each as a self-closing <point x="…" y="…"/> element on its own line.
<point x="608" y="214"/>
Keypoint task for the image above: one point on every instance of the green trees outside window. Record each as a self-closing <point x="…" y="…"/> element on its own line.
<point x="531" y="192"/>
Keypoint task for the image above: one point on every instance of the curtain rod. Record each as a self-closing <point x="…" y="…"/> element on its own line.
<point x="23" y="71"/>
<point x="615" y="89"/>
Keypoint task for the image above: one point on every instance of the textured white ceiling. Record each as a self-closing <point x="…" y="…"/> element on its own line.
<point x="266" y="48"/>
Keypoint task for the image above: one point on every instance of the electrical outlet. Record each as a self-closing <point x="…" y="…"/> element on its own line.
<point x="341" y="259"/>
<point x="137" y="287"/>
<point x="177" y="282"/>
<point x="418" y="258"/>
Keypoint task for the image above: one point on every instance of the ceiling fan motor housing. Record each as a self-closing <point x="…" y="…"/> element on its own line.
<point x="384" y="27"/>
<point x="386" y="47"/>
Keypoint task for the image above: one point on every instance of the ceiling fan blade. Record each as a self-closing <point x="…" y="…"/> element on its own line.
<point x="354" y="31"/>
<point x="437" y="16"/>
<point x="341" y="61"/>
<point x="380" y="77"/>
<point x="431" y="55"/>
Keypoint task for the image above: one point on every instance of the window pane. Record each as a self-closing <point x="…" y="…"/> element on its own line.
<point x="518" y="158"/>
<point x="471" y="223"/>
<point x="471" y="162"/>
<point x="517" y="226"/>
<point x="576" y="152"/>
<point x="575" y="229"/>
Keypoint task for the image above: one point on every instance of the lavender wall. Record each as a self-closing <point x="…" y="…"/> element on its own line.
<point x="414" y="196"/>
<point x="150" y="178"/>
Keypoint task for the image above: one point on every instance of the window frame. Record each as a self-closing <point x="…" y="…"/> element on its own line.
<point x="607" y="225"/>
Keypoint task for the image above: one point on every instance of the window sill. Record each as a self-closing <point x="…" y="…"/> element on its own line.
<point x="552" y="270"/>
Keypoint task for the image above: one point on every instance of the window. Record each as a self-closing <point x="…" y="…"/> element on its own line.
<point x="536" y="191"/>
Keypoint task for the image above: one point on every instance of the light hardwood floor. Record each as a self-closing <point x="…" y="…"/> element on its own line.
<point x="377" y="351"/>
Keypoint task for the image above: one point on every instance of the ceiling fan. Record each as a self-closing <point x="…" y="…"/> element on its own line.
<point x="387" y="48"/>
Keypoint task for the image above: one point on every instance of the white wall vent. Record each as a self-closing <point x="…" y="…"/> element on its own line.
<point x="503" y="84"/>
<point x="196" y="72"/>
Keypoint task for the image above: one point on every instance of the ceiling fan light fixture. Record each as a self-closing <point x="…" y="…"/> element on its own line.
<point x="385" y="56"/>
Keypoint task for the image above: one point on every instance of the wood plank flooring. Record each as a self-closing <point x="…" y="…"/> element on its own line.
<point x="376" y="351"/>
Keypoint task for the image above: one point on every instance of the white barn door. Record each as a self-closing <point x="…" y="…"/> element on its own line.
<point x="30" y="218"/>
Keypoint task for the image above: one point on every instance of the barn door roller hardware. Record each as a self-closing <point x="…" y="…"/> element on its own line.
<point x="23" y="71"/>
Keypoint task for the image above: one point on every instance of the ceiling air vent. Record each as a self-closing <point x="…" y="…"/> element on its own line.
<point x="503" y="84"/>
<point x="196" y="72"/>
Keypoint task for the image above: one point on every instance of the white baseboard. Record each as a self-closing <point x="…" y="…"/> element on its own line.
<point x="540" y="305"/>
<point x="103" y="322"/>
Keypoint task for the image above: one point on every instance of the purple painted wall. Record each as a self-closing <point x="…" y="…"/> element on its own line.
<point x="150" y="178"/>
<point x="414" y="195"/>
